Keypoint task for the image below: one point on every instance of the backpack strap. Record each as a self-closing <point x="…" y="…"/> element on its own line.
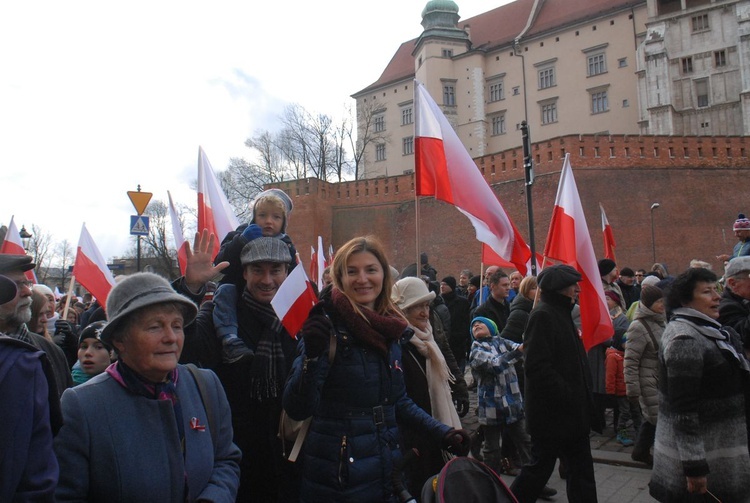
<point x="651" y="333"/>
<point x="203" y="392"/>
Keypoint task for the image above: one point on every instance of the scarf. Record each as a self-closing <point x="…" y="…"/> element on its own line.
<point x="722" y="336"/>
<point x="438" y="376"/>
<point x="267" y="370"/>
<point x="375" y="330"/>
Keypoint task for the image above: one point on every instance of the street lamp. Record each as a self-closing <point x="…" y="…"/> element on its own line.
<point x="25" y="237"/>
<point x="653" y="240"/>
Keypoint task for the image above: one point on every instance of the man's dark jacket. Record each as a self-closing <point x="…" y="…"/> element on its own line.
<point x="734" y="311"/>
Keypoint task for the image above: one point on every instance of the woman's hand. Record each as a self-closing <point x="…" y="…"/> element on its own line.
<point x="316" y="332"/>
<point x="200" y="269"/>
<point x="697" y="485"/>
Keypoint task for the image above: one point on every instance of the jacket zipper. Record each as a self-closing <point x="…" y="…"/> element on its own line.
<point x="342" y="460"/>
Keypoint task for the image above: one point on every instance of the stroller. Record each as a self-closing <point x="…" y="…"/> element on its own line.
<point x="462" y="479"/>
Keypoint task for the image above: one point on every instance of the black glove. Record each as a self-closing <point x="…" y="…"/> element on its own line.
<point x="457" y="442"/>
<point x="63" y="327"/>
<point x="462" y="407"/>
<point x="316" y="332"/>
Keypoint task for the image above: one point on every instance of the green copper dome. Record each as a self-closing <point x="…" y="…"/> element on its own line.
<point x="441" y="6"/>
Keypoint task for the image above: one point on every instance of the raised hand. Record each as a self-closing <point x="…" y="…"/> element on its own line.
<point x="200" y="268"/>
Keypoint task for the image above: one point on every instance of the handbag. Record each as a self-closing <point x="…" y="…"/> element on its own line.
<point x="291" y="430"/>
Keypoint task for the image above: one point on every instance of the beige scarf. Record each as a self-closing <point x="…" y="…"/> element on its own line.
<point x="438" y="377"/>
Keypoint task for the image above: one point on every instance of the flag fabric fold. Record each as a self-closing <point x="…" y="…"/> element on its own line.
<point x="13" y="245"/>
<point x="90" y="269"/>
<point x="569" y="241"/>
<point x="179" y="239"/>
<point x="609" y="237"/>
<point x="313" y="263"/>
<point x="321" y="255"/>
<point x="445" y="169"/>
<point x="214" y="211"/>
<point x="293" y="301"/>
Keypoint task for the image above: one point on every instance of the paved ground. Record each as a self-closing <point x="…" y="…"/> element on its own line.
<point x="619" y="479"/>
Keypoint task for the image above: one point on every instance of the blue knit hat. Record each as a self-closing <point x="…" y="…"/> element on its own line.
<point x="488" y="323"/>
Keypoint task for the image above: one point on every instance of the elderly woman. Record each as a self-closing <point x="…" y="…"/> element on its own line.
<point x="701" y="435"/>
<point x="357" y="401"/>
<point x="428" y="378"/>
<point x="147" y="429"/>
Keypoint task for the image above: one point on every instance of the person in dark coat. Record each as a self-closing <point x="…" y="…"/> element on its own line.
<point x="28" y="466"/>
<point x="254" y="385"/>
<point x="734" y="308"/>
<point x="558" y="396"/>
<point x="358" y="400"/>
<point x="496" y="306"/>
<point x="459" y="309"/>
<point x="428" y="378"/>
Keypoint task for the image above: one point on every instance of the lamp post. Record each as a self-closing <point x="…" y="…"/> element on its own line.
<point x="25" y="237"/>
<point x="653" y="240"/>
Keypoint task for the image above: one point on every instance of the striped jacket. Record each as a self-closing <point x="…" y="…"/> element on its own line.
<point x="497" y="388"/>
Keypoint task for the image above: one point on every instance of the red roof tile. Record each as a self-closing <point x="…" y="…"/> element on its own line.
<point x="500" y="26"/>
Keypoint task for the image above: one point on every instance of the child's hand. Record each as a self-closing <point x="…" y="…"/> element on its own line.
<point x="520" y="347"/>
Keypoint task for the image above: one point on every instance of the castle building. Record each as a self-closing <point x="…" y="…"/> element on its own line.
<point x="666" y="67"/>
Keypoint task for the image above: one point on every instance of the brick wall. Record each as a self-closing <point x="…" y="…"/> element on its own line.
<point x="701" y="183"/>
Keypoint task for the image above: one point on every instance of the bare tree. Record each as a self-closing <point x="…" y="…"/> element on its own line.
<point x="64" y="259"/>
<point x="40" y="246"/>
<point x="366" y="134"/>
<point x="156" y="245"/>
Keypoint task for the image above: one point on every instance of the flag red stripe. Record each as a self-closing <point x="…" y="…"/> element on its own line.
<point x="432" y="169"/>
<point x="297" y="314"/>
<point x="182" y="257"/>
<point x="609" y="243"/>
<point x="89" y="275"/>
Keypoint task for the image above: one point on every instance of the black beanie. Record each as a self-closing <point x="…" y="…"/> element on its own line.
<point x="606" y="266"/>
<point x="476" y="281"/>
<point x="450" y="281"/>
<point x="650" y="294"/>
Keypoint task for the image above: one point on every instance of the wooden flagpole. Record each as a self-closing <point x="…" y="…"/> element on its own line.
<point x="67" y="297"/>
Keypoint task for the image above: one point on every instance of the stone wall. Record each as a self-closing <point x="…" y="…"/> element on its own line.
<point x="701" y="183"/>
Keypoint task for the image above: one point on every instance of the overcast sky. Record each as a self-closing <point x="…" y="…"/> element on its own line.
<point x="97" y="97"/>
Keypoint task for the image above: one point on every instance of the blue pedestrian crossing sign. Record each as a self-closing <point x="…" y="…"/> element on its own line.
<point x="138" y="225"/>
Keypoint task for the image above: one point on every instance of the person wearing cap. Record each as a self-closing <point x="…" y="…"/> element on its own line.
<point x="254" y="384"/>
<point x="558" y="401"/>
<point x="608" y="273"/>
<point x="94" y="355"/>
<point x="269" y="218"/>
<point x="358" y="400"/>
<point x="641" y="367"/>
<point x="734" y="309"/>
<point x="14" y="316"/>
<point x="28" y="466"/>
<point x="147" y="429"/>
<point x="630" y="288"/>
<point x="459" y="309"/>
<point x="701" y="444"/>
<point x="741" y="229"/>
<point x="430" y="379"/>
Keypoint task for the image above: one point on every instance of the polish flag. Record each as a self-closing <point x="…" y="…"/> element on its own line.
<point x="489" y="257"/>
<point x="330" y="255"/>
<point x="444" y="169"/>
<point x="293" y="300"/>
<point x="609" y="238"/>
<point x="179" y="239"/>
<point x="313" y="263"/>
<point x="214" y="211"/>
<point x="90" y="268"/>
<point x="321" y="263"/>
<point x="13" y="245"/>
<point x="569" y="242"/>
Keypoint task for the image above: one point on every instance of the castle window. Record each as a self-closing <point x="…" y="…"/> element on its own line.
<point x="720" y="58"/>
<point x="498" y="124"/>
<point x="380" y="152"/>
<point x="408" y="145"/>
<point x="449" y="94"/>
<point x="407" y="115"/>
<point x="379" y="123"/>
<point x="700" y="23"/>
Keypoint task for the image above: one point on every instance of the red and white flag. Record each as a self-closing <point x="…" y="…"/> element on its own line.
<point x="569" y="242"/>
<point x="293" y="300"/>
<point x="179" y="239"/>
<point x="609" y="237"/>
<point x="13" y="245"/>
<point x="321" y="263"/>
<point x="330" y="255"/>
<point x="445" y="169"/>
<point x="313" y="263"/>
<point x="214" y="211"/>
<point x="90" y="268"/>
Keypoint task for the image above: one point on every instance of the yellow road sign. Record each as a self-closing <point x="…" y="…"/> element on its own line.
<point x="140" y="200"/>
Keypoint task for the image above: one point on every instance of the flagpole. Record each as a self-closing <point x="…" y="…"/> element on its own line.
<point x="67" y="299"/>
<point x="529" y="176"/>
<point x="416" y="226"/>
<point x="481" y="281"/>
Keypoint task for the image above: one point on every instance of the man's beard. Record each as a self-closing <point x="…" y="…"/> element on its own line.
<point x="20" y="315"/>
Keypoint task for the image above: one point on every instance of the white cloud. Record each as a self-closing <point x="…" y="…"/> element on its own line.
<point x="98" y="97"/>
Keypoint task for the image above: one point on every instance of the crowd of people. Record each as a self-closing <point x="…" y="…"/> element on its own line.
<point x="167" y="394"/>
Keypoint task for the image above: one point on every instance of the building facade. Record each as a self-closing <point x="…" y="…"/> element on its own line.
<point x="566" y="67"/>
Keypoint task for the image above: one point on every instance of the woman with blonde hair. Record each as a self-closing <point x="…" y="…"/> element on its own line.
<point x="356" y="400"/>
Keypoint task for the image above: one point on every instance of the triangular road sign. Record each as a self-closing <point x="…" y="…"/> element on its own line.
<point x="140" y="200"/>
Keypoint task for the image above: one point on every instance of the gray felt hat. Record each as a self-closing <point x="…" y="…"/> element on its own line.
<point x="141" y="290"/>
<point x="13" y="263"/>
<point x="8" y="289"/>
<point x="265" y="249"/>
